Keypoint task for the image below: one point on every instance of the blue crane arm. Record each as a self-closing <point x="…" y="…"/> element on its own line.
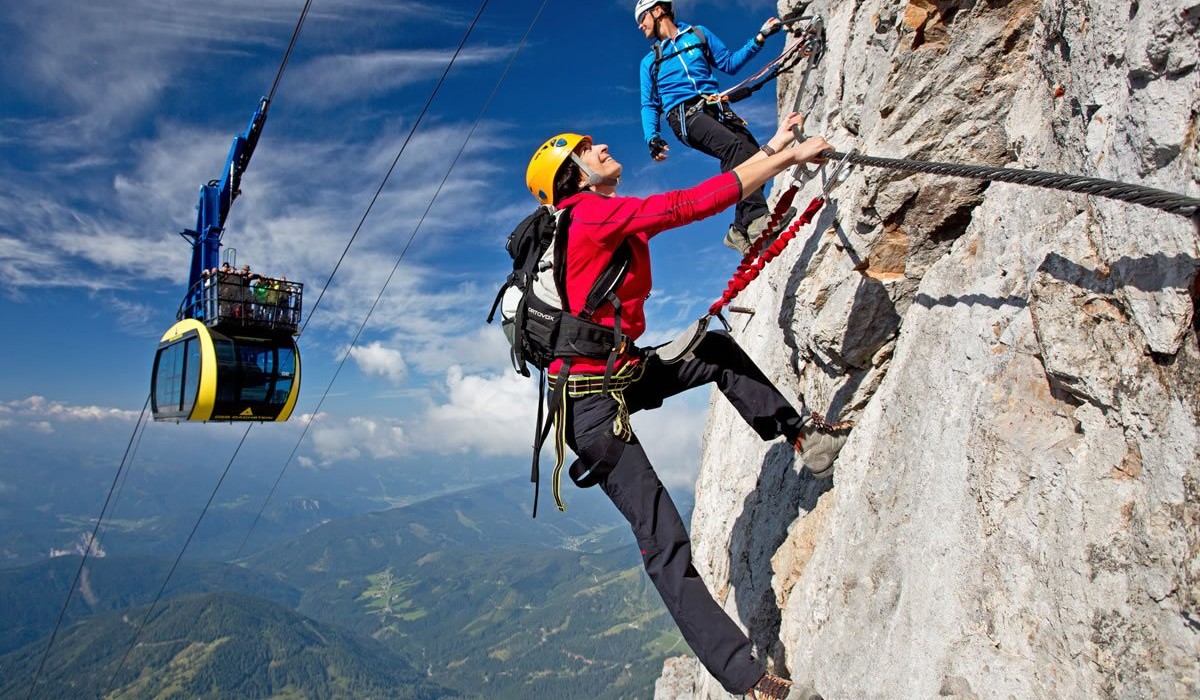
<point x="216" y="197"/>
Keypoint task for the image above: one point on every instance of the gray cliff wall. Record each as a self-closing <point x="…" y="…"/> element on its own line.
<point x="1015" y="515"/>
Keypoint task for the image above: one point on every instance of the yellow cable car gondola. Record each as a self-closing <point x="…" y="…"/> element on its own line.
<point x="232" y="354"/>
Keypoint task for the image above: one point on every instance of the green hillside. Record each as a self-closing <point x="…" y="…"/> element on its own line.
<point x="488" y="600"/>
<point x="215" y="646"/>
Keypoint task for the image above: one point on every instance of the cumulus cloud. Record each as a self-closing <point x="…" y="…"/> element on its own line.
<point x="84" y="544"/>
<point x="487" y="414"/>
<point x="378" y="438"/>
<point x="492" y="415"/>
<point x="376" y="360"/>
<point x="672" y="435"/>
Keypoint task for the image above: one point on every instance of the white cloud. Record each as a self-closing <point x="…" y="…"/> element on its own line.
<point x="353" y="439"/>
<point x="329" y="80"/>
<point x="40" y="412"/>
<point x="482" y="349"/>
<point x="84" y="544"/>
<point x="671" y="437"/>
<point x="489" y="415"/>
<point x="493" y="415"/>
<point x="376" y="360"/>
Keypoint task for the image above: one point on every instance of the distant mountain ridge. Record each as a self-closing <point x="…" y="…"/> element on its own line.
<point x="467" y="587"/>
<point x="34" y="594"/>
<point x="216" y="646"/>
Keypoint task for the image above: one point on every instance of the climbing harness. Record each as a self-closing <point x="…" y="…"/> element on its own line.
<point x="578" y="386"/>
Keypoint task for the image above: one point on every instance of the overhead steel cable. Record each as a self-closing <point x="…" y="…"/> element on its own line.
<point x="1170" y="202"/>
<point x="470" y="133"/>
<point x="388" y="175"/>
<point x="287" y="55"/>
<point x="171" y="572"/>
<point x="87" y="550"/>
<point x="137" y="445"/>
<point x="357" y="229"/>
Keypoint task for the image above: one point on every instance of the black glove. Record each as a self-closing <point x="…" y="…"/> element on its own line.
<point x="657" y="146"/>
<point x="769" y="28"/>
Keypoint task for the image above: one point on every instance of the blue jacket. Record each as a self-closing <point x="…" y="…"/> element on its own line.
<point x="687" y="75"/>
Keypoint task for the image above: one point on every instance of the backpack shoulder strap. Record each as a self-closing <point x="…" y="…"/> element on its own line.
<point x="562" y="227"/>
<point x="704" y="48"/>
<point x="604" y="286"/>
<point x="608" y="281"/>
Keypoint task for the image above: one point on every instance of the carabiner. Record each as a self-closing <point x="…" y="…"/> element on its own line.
<point x="839" y="174"/>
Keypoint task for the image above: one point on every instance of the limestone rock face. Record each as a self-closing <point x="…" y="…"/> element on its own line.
<point x="1017" y="512"/>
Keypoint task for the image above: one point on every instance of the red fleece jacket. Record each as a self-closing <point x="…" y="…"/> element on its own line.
<point x="599" y="224"/>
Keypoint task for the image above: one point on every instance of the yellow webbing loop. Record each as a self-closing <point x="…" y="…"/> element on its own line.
<point x="589" y="385"/>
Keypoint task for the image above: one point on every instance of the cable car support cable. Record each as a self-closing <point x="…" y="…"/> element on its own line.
<point x="171" y="572"/>
<point x="404" y="251"/>
<point x="87" y="550"/>
<point x="388" y="175"/>
<point x="337" y="266"/>
<point x="130" y="449"/>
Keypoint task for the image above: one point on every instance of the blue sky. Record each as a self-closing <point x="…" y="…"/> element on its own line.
<point x="114" y="114"/>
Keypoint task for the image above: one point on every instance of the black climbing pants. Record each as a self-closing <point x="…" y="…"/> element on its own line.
<point x="723" y="135"/>
<point x="636" y="491"/>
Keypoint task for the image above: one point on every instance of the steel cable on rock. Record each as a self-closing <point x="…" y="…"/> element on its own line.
<point x="1163" y="200"/>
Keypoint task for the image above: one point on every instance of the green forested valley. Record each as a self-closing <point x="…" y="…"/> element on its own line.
<point x="461" y="595"/>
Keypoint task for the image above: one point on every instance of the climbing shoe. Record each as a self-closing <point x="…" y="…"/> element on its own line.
<point x="819" y="442"/>
<point x="737" y="239"/>
<point x="770" y="687"/>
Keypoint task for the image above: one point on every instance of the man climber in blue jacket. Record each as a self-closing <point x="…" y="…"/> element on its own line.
<point x="677" y="80"/>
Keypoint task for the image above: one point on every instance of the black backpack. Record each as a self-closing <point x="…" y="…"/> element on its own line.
<point x="531" y="299"/>
<point x="538" y="328"/>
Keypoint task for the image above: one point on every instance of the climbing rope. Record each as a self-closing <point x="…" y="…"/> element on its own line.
<point x="756" y="258"/>
<point x="1162" y="200"/>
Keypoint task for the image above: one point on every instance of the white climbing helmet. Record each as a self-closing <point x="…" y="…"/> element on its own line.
<point x="643" y="5"/>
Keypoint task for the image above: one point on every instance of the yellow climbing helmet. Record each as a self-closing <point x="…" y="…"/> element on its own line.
<point x="546" y="161"/>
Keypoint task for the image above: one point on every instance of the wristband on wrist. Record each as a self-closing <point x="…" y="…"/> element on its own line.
<point x="768" y="150"/>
